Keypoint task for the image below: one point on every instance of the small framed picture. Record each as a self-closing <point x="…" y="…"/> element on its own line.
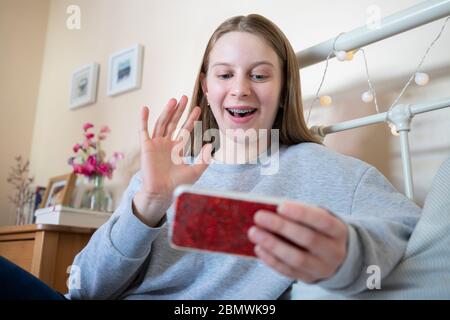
<point x="36" y="202"/>
<point x="59" y="190"/>
<point x="83" y="86"/>
<point x="125" y="70"/>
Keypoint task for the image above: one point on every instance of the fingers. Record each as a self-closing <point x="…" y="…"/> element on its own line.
<point x="203" y="159"/>
<point x="179" y="110"/>
<point x="184" y="134"/>
<point x="313" y="217"/>
<point x="308" y="240"/>
<point x="204" y="156"/>
<point x="190" y="121"/>
<point x="280" y="266"/>
<point x="295" y="258"/>
<point x="164" y="118"/>
<point x="300" y="235"/>
<point x="179" y="150"/>
<point x="143" y="132"/>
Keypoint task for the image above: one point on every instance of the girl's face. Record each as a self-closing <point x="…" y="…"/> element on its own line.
<point x="243" y="82"/>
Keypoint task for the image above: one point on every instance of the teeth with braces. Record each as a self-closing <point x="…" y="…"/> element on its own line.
<point x="240" y="110"/>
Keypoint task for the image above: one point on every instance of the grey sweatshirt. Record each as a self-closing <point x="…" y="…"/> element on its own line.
<point x="126" y="259"/>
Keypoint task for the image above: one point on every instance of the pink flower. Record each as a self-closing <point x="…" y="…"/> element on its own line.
<point x="78" y="169"/>
<point x="104" y="169"/>
<point x="118" y="155"/>
<point x="88" y="169"/>
<point x="105" y="129"/>
<point x="90" y="162"/>
<point x="87" y="126"/>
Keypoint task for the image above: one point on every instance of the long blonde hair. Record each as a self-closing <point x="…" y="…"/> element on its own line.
<point x="289" y="119"/>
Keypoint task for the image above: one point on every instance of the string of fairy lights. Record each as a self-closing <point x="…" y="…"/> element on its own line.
<point x="368" y="96"/>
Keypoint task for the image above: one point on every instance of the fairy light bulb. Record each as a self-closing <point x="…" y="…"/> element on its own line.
<point x="325" y="100"/>
<point x="394" y="130"/>
<point x="367" y="97"/>
<point x="341" y="55"/>
<point x="349" y="55"/>
<point x="421" y="78"/>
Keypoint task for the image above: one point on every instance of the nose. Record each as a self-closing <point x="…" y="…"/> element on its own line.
<point x="241" y="87"/>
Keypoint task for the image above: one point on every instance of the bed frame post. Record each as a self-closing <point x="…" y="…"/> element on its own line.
<point x="400" y="116"/>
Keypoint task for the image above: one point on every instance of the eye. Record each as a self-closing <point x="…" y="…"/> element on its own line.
<point x="258" y="77"/>
<point x="224" y="76"/>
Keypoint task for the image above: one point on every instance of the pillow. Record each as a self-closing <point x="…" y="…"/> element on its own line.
<point x="424" y="271"/>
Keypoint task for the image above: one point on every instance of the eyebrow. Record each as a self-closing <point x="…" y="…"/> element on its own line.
<point x="251" y="66"/>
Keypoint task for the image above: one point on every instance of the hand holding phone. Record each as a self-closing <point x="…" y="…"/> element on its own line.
<point x="216" y="221"/>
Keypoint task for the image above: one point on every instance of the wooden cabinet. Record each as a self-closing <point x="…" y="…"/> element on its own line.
<point x="44" y="250"/>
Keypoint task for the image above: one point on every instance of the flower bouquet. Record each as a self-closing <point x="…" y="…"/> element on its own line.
<point x="90" y="161"/>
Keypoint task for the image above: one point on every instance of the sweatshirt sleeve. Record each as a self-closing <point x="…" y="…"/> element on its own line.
<point x="112" y="259"/>
<point x="380" y="225"/>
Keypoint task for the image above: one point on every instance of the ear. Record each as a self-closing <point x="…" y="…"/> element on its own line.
<point x="203" y="83"/>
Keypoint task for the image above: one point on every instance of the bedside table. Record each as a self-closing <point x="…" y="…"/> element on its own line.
<point x="44" y="250"/>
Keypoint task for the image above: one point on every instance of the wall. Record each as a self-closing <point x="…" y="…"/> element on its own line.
<point x="174" y="34"/>
<point x="23" y="26"/>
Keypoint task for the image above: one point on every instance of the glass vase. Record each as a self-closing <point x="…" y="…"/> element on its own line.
<point x="97" y="198"/>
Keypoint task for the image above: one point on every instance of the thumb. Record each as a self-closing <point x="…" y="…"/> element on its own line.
<point x="203" y="159"/>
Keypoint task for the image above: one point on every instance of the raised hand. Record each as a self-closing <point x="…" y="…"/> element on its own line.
<point x="161" y="168"/>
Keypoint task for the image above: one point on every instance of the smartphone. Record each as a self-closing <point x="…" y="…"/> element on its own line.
<point x="216" y="221"/>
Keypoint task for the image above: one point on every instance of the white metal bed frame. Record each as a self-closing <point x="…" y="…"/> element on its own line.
<point x="400" y="115"/>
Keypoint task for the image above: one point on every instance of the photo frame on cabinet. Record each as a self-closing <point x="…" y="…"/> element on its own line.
<point x="59" y="190"/>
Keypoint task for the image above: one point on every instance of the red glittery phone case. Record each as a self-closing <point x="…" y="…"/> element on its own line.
<point x="216" y="221"/>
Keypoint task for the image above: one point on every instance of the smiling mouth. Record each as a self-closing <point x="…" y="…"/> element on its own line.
<point x="240" y="113"/>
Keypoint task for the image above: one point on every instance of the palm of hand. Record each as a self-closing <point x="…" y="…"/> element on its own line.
<point x="162" y="166"/>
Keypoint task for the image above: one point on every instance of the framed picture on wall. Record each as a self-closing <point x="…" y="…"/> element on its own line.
<point x="59" y="190"/>
<point x="125" y="70"/>
<point x="83" y="86"/>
